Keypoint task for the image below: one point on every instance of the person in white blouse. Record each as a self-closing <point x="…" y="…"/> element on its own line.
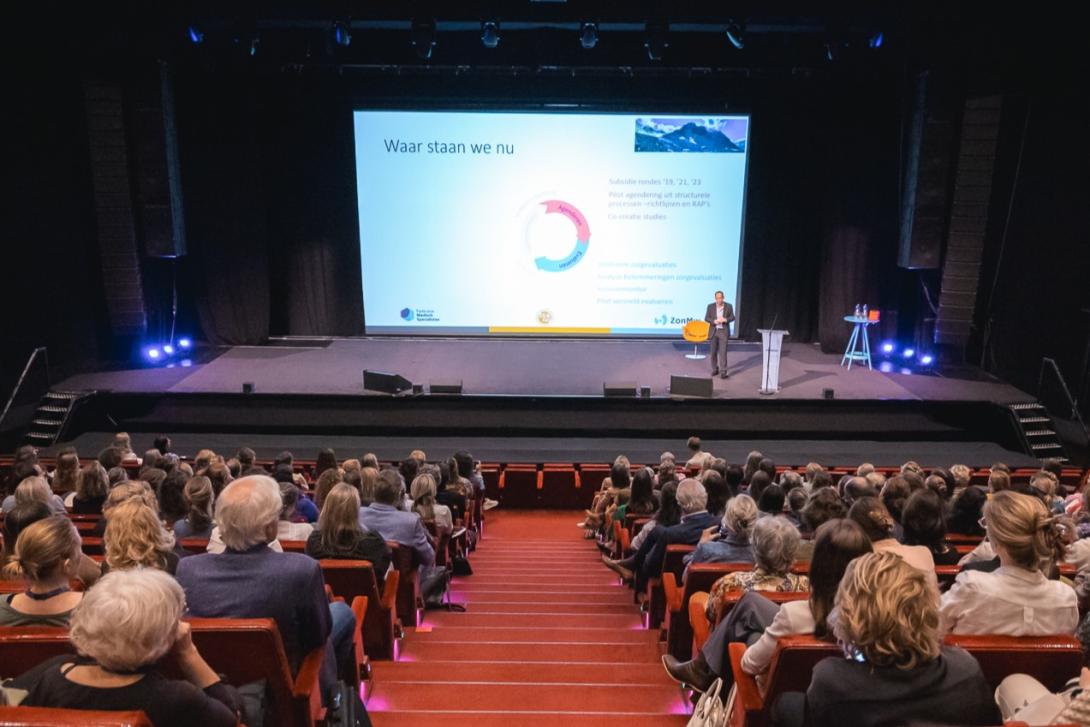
<point x="1016" y="599"/>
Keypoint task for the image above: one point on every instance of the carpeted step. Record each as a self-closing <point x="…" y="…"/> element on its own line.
<point x="559" y="671"/>
<point x="414" y="649"/>
<point x="530" y="617"/>
<point x="508" y="718"/>
<point x="618" y="597"/>
<point x="603" y="697"/>
<point x="543" y="632"/>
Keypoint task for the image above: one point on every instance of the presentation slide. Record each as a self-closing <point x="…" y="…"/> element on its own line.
<point x="499" y="223"/>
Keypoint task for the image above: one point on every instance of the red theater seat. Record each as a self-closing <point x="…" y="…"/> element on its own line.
<point x="789" y="671"/>
<point x="520" y="486"/>
<point x="353" y="579"/>
<point x="46" y="717"/>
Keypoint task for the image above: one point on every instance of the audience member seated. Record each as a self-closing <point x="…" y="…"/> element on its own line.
<point x="699" y="458"/>
<point x="92" y="486"/>
<point x="327" y="459"/>
<point x="1017" y="599"/>
<point x="775" y="542"/>
<point x="197" y="522"/>
<point x="65" y="477"/>
<point x="619" y="480"/>
<point x="757" y="621"/>
<point x="340" y="537"/>
<point x="923" y="522"/>
<point x="894" y="495"/>
<point x="1022" y="698"/>
<point x="695" y="519"/>
<point x="34" y="489"/>
<point x="757" y="484"/>
<point x="718" y="492"/>
<point x="46" y="556"/>
<point x="250" y="580"/>
<point x="368" y="478"/>
<point x="171" y="496"/>
<point x="383" y="517"/>
<point x="129" y="490"/>
<point x="897" y="670"/>
<point x="668" y="515"/>
<point x="966" y="512"/>
<point x="116" y="476"/>
<point x="286" y="529"/>
<point x="123" y="627"/>
<point x="877" y="523"/>
<point x="423" y="492"/>
<point x="731" y="542"/>
<point x="642" y="499"/>
<point x="135" y="538"/>
<point x="325" y="483"/>
<point x="772" y="501"/>
<point x="453" y="490"/>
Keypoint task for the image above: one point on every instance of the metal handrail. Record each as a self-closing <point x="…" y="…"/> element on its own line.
<point x="1047" y="362"/>
<point x="18" y="385"/>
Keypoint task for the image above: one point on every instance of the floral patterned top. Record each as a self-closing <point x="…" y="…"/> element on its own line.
<point x="755" y="580"/>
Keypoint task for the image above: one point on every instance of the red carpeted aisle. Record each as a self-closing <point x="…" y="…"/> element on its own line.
<point x="549" y="636"/>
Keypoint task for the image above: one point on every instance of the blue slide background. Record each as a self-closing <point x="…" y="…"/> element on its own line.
<point x="449" y="240"/>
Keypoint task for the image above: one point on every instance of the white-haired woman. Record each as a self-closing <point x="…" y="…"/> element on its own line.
<point x="775" y="543"/>
<point x="34" y="489"/>
<point x="730" y="543"/>
<point x="122" y="628"/>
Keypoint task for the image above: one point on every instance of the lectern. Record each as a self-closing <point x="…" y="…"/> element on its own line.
<point x="771" y="345"/>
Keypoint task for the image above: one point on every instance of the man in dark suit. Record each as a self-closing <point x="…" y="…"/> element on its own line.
<point x="719" y="317"/>
<point x="695" y="519"/>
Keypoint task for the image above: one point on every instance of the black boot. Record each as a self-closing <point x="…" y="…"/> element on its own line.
<point x="696" y="673"/>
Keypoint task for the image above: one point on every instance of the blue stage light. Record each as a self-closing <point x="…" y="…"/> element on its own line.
<point x="908" y="352"/>
<point x="342" y="33"/>
<point x="906" y="372"/>
<point x="184" y="343"/>
<point x="927" y="359"/>
<point x="195" y="35"/>
<point x="876" y="40"/>
<point x="888" y="347"/>
<point x="885" y="367"/>
<point x="153" y="353"/>
<point x="168" y="350"/>
<point x="186" y="363"/>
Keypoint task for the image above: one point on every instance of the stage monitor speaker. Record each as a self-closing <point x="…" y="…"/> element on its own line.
<point x="645" y="392"/>
<point x="619" y="388"/>
<point x="691" y="386"/>
<point x="828" y="394"/>
<point x="248" y="387"/>
<point x="384" y="382"/>
<point x="445" y="387"/>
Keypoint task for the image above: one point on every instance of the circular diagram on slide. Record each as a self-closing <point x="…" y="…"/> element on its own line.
<point x="556" y="234"/>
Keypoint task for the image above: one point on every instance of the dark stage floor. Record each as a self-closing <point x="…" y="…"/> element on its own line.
<point x="523" y="367"/>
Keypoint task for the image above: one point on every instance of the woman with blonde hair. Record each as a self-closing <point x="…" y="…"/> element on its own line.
<point x="368" y="478"/>
<point x="135" y="537"/>
<point x="33" y="489"/>
<point x="1018" y="598"/>
<point x="897" y="670"/>
<point x="340" y="537"/>
<point x="46" y="555"/>
<point x="730" y="543"/>
<point x="199" y="497"/>
<point x="91" y="489"/>
<point x="423" y="492"/>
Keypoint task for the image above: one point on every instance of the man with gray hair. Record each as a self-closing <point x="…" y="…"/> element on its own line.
<point x="250" y="580"/>
<point x="695" y="519"/>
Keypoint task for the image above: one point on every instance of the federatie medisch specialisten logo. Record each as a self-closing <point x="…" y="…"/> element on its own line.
<point x="407" y="314"/>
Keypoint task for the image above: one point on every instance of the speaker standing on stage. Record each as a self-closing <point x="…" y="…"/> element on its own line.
<point x="719" y="317"/>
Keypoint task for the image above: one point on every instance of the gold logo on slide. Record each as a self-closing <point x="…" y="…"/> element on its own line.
<point x="545" y="317"/>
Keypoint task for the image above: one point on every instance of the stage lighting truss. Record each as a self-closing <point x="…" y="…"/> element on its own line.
<point x="490" y="33"/>
<point x="423" y="38"/>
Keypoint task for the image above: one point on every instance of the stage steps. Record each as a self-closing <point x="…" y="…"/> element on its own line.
<point x="548" y="636"/>
<point x="1038" y="431"/>
<point x="53" y="415"/>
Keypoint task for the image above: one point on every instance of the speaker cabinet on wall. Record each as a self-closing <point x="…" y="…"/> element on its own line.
<point x="691" y="386"/>
<point x="385" y="382"/>
<point x="619" y="388"/>
<point x="445" y="387"/>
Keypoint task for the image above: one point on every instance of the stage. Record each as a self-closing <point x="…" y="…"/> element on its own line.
<point x="535" y="367"/>
<point x="541" y="400"/>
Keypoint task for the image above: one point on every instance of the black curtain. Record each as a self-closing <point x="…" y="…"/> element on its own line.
<point x="222" y="180"/>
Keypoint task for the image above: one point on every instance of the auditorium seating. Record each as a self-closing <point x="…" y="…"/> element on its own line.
<point x="352" y="579"/>
<point x="409" y="601"/>
<point x="45" y="717"/>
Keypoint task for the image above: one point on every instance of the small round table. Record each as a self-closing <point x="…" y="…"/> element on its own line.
<point x="858" y="345"/>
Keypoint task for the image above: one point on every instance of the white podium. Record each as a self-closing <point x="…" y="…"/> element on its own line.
<point x="771" y="345"/>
